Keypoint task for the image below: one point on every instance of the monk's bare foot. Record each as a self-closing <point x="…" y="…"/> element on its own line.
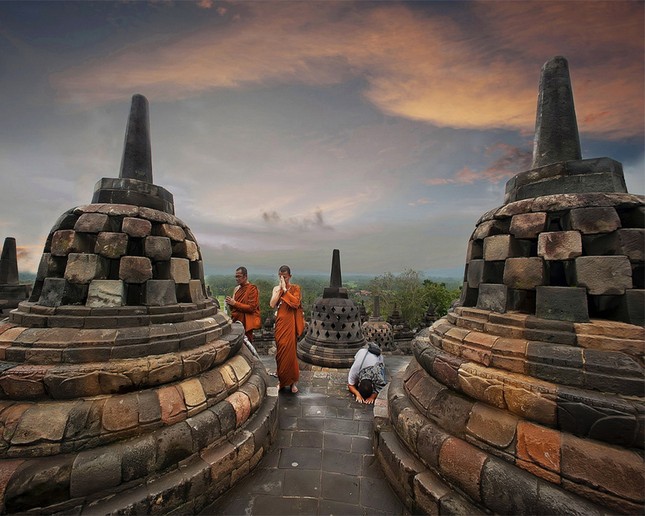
<point x="294" y="388"/>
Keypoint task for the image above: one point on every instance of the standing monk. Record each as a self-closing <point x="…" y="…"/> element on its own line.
<point x="245" y="303"/>
<point x="288" y="300"/>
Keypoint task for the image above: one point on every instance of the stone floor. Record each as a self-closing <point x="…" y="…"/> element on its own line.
<point x="322" y="462"/>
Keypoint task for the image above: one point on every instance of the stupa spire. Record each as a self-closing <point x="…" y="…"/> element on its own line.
<point x="556" y="129"/>
<point x="335" y="288"/>
<point x="9" y="263"/>
<point x="137" y="153"/>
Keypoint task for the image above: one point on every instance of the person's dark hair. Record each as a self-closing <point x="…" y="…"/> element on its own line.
<point x="365" y="388"/>
<point x="285" y="268"/>
<point x="242" y="270"/>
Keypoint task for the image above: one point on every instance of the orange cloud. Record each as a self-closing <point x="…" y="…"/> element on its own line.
<point x="478" y="72"/>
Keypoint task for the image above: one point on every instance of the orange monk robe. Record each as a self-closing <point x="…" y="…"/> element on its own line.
<point x="286" y="338"/>
<point x="247" y="308"/>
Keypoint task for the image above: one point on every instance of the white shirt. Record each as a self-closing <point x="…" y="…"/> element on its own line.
<point x="370" y="360"/>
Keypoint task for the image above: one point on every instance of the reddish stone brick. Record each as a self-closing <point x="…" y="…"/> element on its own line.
<point x="67" y="241"/>
<point x="92" y="223"/>
<point x="524" y="273"/>
<point x="111" y="245"/>
<point x="120" y="413"/>
<point x="478" y="382"/>
<point x="538" y="445"/>
<point x="462" y="463"/>
<point x="534" y="400"/>
<point x="175" y="233"/>
<point x="594" y="220"/>
<point x="135" y="269"/>
<point x="136" y="227"/>
<point x="242" y="406"/>
<point x="172" y="405"/>
<point x="619" y="471"/>
<point x="193" y="391"/>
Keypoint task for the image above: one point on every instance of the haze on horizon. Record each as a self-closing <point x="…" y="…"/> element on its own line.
<point x="287" y="129"/>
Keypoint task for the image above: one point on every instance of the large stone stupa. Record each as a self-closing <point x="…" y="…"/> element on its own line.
<point x="334" y="333"/>
<point x="123" y="388"/>
<point x="529" y="397"/>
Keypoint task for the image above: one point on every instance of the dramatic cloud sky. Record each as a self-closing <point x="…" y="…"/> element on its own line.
<point x="287" y="129"/>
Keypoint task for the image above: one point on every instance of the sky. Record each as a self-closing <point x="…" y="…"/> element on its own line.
<point x="285" y="130"/>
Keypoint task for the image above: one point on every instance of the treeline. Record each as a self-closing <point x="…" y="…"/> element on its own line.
<point x="409" y="291"/>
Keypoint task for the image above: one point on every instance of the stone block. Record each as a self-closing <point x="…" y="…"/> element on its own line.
<point x="102" y="293"/>
<point x="135" y="269"/>
<point x="67" y="241"/>
<point x="171" y="401"/>
<point x="528" y="225"/>
<point x="493" y="426"/>
<point x="160" y="293"/>
<point x="462" y="463"/>
<point x="157" y="248"/>
<point x="555" y="363"/>
<point x="58" y="291"/>
<point x="619" y="471"/>
<point x="83" y="268"/>
<point x="562" y="303"/>
<point x="135" y="227"/>
<point x="186" y="249"/>
<point x="501" y="247"/>
<point x="94" y="470"/>
<point x="196" y="291"/>
<point x="180" y="270"/>
<point x="174" y="444"/>
<point x="594" y="220"/>
<point x="175" y="233"/>
<point x="493" y="272"/>
<point x="111" y="245"/>
<point x="559" y="245"/>
<point x="524" y="273"/>
<point x="632" y="307"/>
<point x="92" y="223"/>
<point x="475" y="250"/>
<point x="120" y="413"/>
<point x="539" y="446"/>
<point x="490" y="228"/>
<point x="51" y="266"/>
<point x="604" y="275"/>
<point x="139" y="458"/>
<point x="508" y="490"/>
<point x="492" y="297"/>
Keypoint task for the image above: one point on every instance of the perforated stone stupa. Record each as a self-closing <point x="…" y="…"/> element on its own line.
<point x="11" y="291"/>
<point x="123" y="388"/>
<point x="334" y="333"/>
<point x="376" y="330"/>
<point x="529" y="397"/>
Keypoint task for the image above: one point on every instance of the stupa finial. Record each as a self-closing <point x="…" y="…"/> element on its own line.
<point x="9" y="263"/>
<point x="556" y="128"/>
<point x="335" y="288"/>
<point x="137" y="154"/>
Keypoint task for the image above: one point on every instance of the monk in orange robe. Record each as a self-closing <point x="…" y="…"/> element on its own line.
<point x="287" y="298"/>
<point x="245" y="303"/>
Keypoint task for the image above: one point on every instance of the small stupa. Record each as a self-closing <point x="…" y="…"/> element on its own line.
<point x="528" y="397"/>
<point x="333" y="335"/>
<point x="11" y="291"/>
<point x="123" y="388"/>
<point x="375" y="329"/>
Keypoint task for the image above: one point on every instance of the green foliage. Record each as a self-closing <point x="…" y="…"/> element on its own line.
<point x="412" y="295"/>
<point x="409" y="291"/>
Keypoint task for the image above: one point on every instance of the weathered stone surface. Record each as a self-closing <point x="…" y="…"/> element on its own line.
<point x="157" y="248"/>
<point x="186" y="249"/>
<point x="594" y="220"/>
<point x="528" y="225"/>
<point x="92" y="223"/>
<point x="501" y="247"/>
<point x="111" y="245"/>
<point x="94" y="468"/>
<point x="68" y="241"/>
<point x="175" y="233"/>
<point x="562" y="303"/>
<point x="121" y="413"/>
<point x="135" y="269"/>
<point x="524" y="273"/>
<point x="506" y="489"/>
<point x="492" y="297"/>
<point x="492" y="426"/>
<point x="196" y="291"/>
<point x="604" y="275"/>
<point x="179" y="270"/>
<point x="172" y="404"/>
<point x="490" y="228"/>
<point x="136" y="227"/>
<point x="462" y="463"/>
<point x="105" y="293"/>
<point x="627" y="242"/>
<point x="559" y="245"/>
<point x="83" y="268"/>
<point x="160" y="292"/>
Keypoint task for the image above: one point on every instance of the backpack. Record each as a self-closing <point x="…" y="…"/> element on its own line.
<point x="375" y="373"/>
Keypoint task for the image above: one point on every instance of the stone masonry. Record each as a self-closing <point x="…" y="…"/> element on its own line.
<point x="528" y="397"/>
<point x="123" y="388"/>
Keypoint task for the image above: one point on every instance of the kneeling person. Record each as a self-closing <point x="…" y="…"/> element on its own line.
<point x="366" y="377"/>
